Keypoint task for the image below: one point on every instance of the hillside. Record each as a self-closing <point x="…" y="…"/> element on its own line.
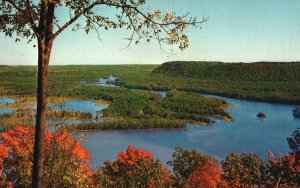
<point x="259" y="71"/>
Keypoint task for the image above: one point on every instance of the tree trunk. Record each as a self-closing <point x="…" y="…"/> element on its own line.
<point x="44" y="51"/>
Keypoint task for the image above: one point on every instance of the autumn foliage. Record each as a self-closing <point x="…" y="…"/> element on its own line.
<point x="66" y="161"/>
<point x="207" y="175"/>
<point x="134" y="168"/>
<point x="284" y="170"/>
<point x="66" y="164"/>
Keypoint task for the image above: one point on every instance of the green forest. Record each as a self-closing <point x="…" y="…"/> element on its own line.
<point x="184" y="81"/>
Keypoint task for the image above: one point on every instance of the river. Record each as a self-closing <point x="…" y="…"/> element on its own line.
<point x="246" y="134"/>
<point x="6" y="101"/>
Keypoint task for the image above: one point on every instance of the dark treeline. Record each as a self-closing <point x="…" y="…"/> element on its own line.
<point x="69" y="114"/>
<point x="259" y="71"/>
<point x="263" y="81"/>
<point x="128" y="123"/>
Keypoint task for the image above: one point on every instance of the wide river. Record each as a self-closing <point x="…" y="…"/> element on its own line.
<point x="246" y="134"/>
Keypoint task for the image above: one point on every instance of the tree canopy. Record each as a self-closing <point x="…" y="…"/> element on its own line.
<point x="29" y="18"/>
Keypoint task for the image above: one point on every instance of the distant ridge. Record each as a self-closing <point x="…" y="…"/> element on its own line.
<point x="257" y="71"/>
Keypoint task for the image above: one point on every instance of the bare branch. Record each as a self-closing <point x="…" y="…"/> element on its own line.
<point x="131" y="22"/>
<point x="130" y="40"/>
<point x="74" y="19"/>
<point x="34" y="27"/>
<point x="93" y="25"/>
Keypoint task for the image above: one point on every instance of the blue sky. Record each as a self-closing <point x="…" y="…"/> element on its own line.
<point x="236" y="31"/>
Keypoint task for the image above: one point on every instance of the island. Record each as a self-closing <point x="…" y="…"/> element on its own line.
<point x="261" y="115"/>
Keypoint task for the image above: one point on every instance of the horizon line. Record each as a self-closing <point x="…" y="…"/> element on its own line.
<point x="112" y="64"/>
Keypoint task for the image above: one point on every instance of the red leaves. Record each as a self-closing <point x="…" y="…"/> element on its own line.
<point x="132" y="156"/>
<point x="18" y="140"/>
<point x="66" y="165"/>
<point x="63" y="156"/>
<point x="134" y="168"/>
<point x="66" y="142"/>
<point x="207" y="175"/>
<point x="4" y="153"/>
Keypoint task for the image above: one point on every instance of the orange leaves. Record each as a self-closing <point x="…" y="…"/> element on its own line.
<point x="132" y="156"/>
<point x="18" y="140"/>
<point x="65" y="142"/>
<point x="134" y="168"/>
<point x="65" y="160"/>
<point x="156" y="14"/>
<point x="207" y="175"/>
<point x="4" y="153"/>
<point x="66" y="164"/>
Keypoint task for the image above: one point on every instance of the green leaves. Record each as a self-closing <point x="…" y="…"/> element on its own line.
<point x="244" y="169"/>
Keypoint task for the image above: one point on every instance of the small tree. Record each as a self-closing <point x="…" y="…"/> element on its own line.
<point x="36" y="19"/>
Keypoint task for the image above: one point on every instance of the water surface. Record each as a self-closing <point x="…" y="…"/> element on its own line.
<point x="246" y="134"/>
<point x="103" y="82"/>
<point x="162" y="93"/>
<point x="90" y="106"/>
<point x="5" y="101"/>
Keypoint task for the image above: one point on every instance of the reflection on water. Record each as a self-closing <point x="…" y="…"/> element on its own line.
<point x="89" y="106"/>
<point x="162" y="93"/>
<point x="246" y="134"/>
<point x="6" y="101"/>
<point x="104" y="82"/>
<point x="6" y="110"/>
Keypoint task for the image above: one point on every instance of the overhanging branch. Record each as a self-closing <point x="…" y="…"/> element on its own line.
<point x="74" y="19"/>
<point x="124" y="7"/>
<point x="29" y="17"/>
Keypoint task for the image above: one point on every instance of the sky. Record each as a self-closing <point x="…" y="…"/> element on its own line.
<point x="236" y="31"/>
